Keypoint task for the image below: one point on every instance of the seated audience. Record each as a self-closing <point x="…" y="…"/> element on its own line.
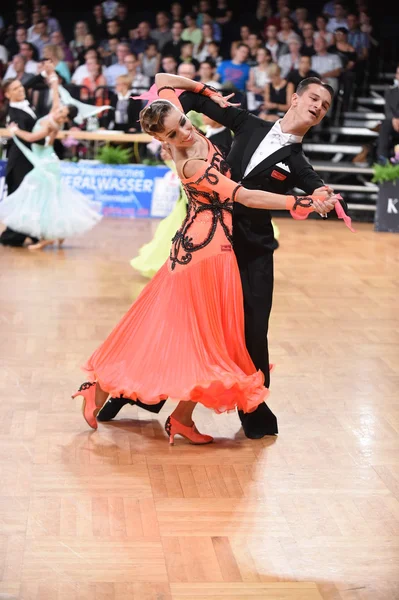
<point x="328" y="65"/>
<point x="276" y="97"/>
<point x="389" y="132"/>
<point x="307" y="47"/>
<point x="173" y="47"/>
<point x="290" y="61"/>
<point x="236" y="71"/>
<point x="119" y="68"/>
<point x="303" y="71"/>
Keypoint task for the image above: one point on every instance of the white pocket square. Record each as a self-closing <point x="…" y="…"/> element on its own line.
<point x="283" y="166"/>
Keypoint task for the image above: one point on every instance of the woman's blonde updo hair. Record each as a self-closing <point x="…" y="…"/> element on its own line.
<point x="152" y="116"/>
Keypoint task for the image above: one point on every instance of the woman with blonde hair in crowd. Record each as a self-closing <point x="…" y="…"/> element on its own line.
<point x="276" y="95"/>
<point x="258" y="78"/>
<point x="56" y="55"/>
<point x="77" y="44"/>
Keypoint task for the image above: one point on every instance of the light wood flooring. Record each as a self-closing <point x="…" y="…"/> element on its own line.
<point x="117" y="514"/>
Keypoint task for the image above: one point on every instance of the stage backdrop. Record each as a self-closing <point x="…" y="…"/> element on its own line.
<point x="126" y="191"/>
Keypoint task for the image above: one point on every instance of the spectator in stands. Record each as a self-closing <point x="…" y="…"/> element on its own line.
<point x="109" y="56"/>
<point x="287" y="33"/>
<point x="173" y="47"/>
<point x="113" y="30"/>
<point x="254" y="43"/>
<point x="51" y="22"/>
<point x="43" y="39"/>
<point x="56" y="55"/>
<point x="77" y="44"/>
<point x="263" y="13"/>
<point x="21" y="19"/>
<point x="321" y="25"/>
<point x="216" y="28"/>
<point x="28" y="51"/>
<point x="84" y="70"/>
<point x="18" y="69"/>
<point x="303" y="71"/>
<point x="214" y="53"/>
<point x="300" y="17"/>
<point x="186" y="55"/>
<point x="94" y="79"/>
<point x="57" y="38"/>
<point x="139" y="82"/>
<point x="258" y="78"/>
<point x="244" y="34"/>
<point x="276" y="95"/>
<point x="150" y="61"/>
<point x="223" y="14"/>
<point x="204" y="8"/>
<point x="276" y="47"/>
<point x="88" y="44"/>
<point x="176" y="10"/>
<point x="357" y="38"/>
<point x="125" y="117"/>
<point x="142" y="37"/>
<point x="389" y="132"/>
<point x="236" y="71"/>
<point x="328" y="65"/>
<point x="118" y="68"/>
<point x="97" y="23"/>
<point x="187" y="70"/>
<point x="207" y="73"/>
<point x="123" y="20"/>
<point x="162" y="33"/>
<point x="290" y="61"/>
<point x="110" y="7"/>
<point x="169" y="64"/>
<point x="191" y="33"/>
<point x="33" y="30"/>
<point x="329" y="8"/>
<point x="307" y="48"/>
<point x="348" y="57"/>
<point x="202" y="51"/>
<point x="339" y="18"/>
<point x="13" y="43"/>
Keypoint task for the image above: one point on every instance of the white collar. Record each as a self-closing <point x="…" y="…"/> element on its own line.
<point x="214" y="130"/>
<point x="126" y="96"/>
<point x="25" y="106"/>
<point x="289" y="138"/>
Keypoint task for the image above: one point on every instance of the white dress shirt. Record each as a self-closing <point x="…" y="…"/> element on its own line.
<point x="272" y="142"/>
<point x="213" y="131"/>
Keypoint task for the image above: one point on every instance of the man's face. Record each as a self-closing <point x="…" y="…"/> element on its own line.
<point x="308" y="31"/>
<point x="144" y="30"/>
<point x="271" y="32"/>
<point x="113" y="45"/>
<point x="352" y="21"/>
<point x="56" y="38"/>
<point x="241" y="54"/>
<point x="339" y="11"/>
<point x="20" y="35"/>
<point x="169" y="64"/>
<point x="44" y="11"/>
<point x="294" y="46"/>
<point x="121" y="12"/>
<point x="18" y="64"/>
<point x="26" y="51"/>
<point x="122" y="52"/>
<point x="187" y="50"/>
<point x="312" y="105"/>
<point x="177" y="29"/>
<point x="161" y="20"/>
<point x="41" y="28"/>
<point x="304" y="64"/>
<point x="112" y="28"/>
<point x="186" y="70"/>
<point x="130" y="63"/>
<point x="320" y="44"/>
<point x="244" y="32"/>
<point x="205" y="71"/>
<point x="90" y="54"/>
<point x="15" y="92"/>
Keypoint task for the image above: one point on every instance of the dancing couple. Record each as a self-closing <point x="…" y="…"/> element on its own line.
<point x="38" y="205"/>
<point x="184" y="336"/>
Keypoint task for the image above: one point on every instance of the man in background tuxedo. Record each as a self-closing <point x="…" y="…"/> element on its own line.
<point x="21" y="113"/>
<point x="268" y="157"/>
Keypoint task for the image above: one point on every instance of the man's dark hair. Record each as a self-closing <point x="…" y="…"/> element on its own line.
<point x="187" y="43"/>
<point x="209" y="62"/>
<point x="170" y="56"/>
<point x="342" y="30"/>
<point x="41" y="21"/>
<point x="305" y="83"/>
<point x="7" y="82"/>
<point x="241" y="44"/>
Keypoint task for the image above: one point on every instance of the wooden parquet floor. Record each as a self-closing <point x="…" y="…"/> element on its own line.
<point x="119" y="515"/>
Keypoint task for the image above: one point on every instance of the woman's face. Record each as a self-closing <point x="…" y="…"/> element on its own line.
<point x="178" y="130"/>
<point x="207" y="30"/>
<point x="61" y="115"/>
<point x="285" y="24"/>
<point x="262" y="56"/>
<point x="340" y="37"/>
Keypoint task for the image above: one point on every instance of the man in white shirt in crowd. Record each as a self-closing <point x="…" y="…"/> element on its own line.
<point x="30" y="66"/>
<point x="138" y="82"/>
<point x="276" y="47"/>
<point x="289" y="62"/>
<point x="329" y="66"/>
<point x="119" y="68"/>
<point x="206" y="72"/>
<point x="52" y="22"/>
<point x="339" y="18"/>
<point x="19" y="68"/>
<point x="187" y="70"/>
<point x="169" y="65"/>
<point x="43" y="39"/>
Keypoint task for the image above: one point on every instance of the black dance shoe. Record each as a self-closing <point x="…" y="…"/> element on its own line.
<point x="259" y="423"/>
<point x="112" y="406"/>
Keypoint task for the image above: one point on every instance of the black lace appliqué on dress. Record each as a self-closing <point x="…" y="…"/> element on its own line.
<point x="202" y="203"/>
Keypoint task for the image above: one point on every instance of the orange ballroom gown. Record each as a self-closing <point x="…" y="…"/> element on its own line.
<point x="183" y="338"/>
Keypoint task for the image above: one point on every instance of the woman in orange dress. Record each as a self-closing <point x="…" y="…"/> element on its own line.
<point x="183" y="338"/>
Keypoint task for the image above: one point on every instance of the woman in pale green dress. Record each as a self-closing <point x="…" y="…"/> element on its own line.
<point x="42" y="206"/>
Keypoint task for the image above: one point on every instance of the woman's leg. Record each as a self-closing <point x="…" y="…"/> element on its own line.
<point x="183" y="412"/>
